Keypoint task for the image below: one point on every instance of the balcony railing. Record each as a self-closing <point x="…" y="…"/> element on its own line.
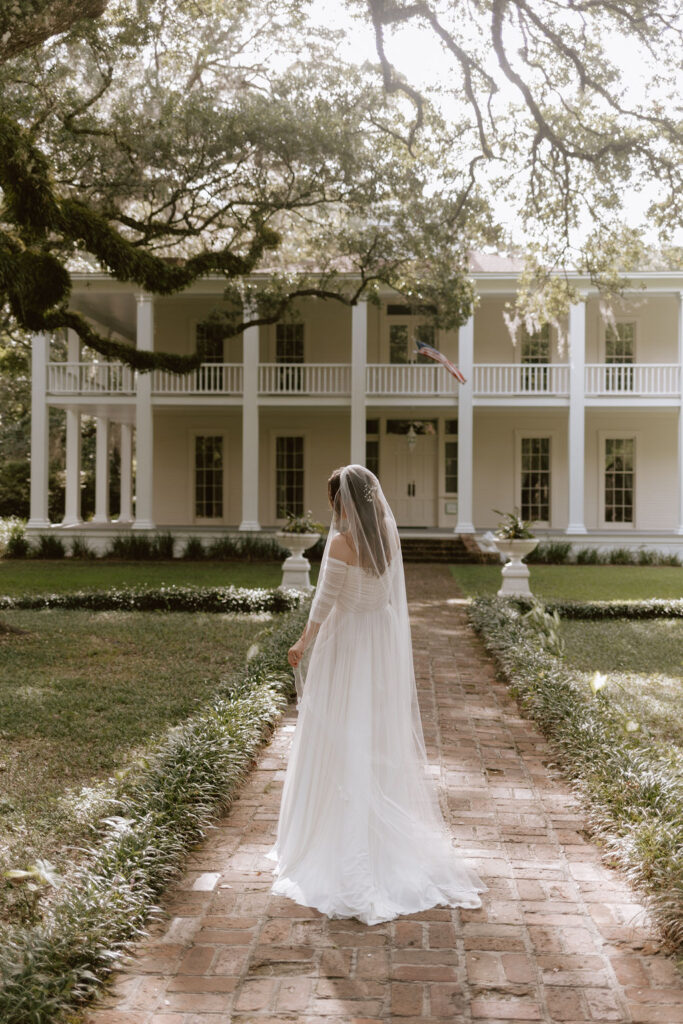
<point x="638" y="379"/>
<point x="408" y="379"/>
<point x="501" y="379"/>
<point x="304" y="379"/>
<point x="618" y="380"/>
<point x="90" y="379"/>
<point x="208" y="379"/>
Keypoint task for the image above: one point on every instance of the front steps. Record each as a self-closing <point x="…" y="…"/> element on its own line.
<point x="451" y="549"/>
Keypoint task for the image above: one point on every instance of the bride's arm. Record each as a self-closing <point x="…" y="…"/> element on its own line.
<point x="326" y="595"/>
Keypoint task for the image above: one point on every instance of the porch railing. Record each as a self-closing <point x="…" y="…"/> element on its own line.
<point x="207" y="379"/>
<point x="90" y="379"/>
<point x="408" y="379"/>
<point x="502" y="379"/>
<point x="304" y="379"/>
<point x="618" y="379"/>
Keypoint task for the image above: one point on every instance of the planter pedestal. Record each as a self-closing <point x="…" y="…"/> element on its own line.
<point x="296" y="569"/>
<point x="515" y="573"/>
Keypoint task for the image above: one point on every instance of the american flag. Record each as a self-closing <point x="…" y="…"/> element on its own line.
<point x="423" y="349"/>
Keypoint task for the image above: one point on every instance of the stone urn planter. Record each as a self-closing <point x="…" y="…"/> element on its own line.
<point x="515" y="573"/>
<point x="296" y="569"/>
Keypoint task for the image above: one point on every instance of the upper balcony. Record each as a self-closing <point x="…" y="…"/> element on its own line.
<point x="524" y="384"/>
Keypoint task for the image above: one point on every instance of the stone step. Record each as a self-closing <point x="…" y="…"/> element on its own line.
<point x="443" y="549"/>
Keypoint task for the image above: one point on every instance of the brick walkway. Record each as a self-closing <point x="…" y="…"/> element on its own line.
<point x="559" y="937"/>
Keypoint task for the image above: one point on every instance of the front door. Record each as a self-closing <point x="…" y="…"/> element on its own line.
<point x="409" y="478"/>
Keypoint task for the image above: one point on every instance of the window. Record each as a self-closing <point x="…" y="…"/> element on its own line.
<point x="535" y="355"/>
<point x="289" y="343"/>
<point x="398" y="343"/>
<point x="208" y="477"/>
<point x="619" y="479"/>
<point x="210" y="338"/>
<point x="403" y="426"/>
<point x="289" y="348"/>
<point x="289" y="476"/>
<point x="535" y="483"/>
<point x="619" y="350"/>
<point x="372" y="446"/>
<point x="451" y="459"/>
<point x="403" y="340"/>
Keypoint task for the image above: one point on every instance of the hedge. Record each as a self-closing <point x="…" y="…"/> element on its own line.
<point x="163" y="599"/>
<point x="632" y="788"/>
<point x="158" y="813"/>
<point x="655" y="608"/>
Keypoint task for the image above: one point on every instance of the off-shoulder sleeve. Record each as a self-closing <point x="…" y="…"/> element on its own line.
<point x="328" y="589"/>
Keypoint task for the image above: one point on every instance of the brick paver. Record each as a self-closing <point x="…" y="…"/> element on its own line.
<point x="559" y="938"/>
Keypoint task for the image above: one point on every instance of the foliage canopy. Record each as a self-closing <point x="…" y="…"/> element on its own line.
<point x="163" y="140"/>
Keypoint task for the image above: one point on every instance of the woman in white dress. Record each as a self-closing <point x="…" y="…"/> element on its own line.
<point x="360" y="832"/>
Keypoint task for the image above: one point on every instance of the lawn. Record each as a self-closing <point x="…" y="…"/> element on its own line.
<point x="579" y="582"/>
<point x="81" y="692"/>
<point x="643" y="662"/>
<point x="39" y="577"/>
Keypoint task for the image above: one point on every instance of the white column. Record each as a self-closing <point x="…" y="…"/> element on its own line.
<point x="359" y="358"/>
<point x="72" y="495"/>
<point x="101" y="471"/>
<point x="144" y="422"/>
<point x="40" y="439"/>
<point x="577" y="390"/>
<point x="680" y="414"/>
<point x="465" y="522"/>
<point x="250" y="429"/>
<point x="126" y="510"/>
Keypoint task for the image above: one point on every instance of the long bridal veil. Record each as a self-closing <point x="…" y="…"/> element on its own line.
<point x="361" y="831"/>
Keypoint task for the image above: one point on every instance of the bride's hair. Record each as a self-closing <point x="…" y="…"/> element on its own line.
<point x="366" y="517"/>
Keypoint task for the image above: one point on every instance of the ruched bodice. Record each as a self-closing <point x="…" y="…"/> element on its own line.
<point x="350" y="588"/>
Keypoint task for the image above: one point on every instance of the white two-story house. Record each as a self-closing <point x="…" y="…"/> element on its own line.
<point x="586" y="441"/>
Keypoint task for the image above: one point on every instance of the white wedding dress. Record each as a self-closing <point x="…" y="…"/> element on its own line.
<point x="361" y="832"/>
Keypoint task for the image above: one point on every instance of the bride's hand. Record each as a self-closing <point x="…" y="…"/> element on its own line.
<point x="295" y="654"/>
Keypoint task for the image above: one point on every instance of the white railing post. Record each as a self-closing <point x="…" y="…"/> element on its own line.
<point x="250" y="427"/>
<point x="576" y="426"/>
<point x="144" y="421"/>
<point x="465" y="523"/>
<point x="72" y="488"/>
<point x="40" y="346"/>
<point x="359" y="355"/>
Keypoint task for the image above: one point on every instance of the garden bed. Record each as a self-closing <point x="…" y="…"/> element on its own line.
<point x="148" y="817"/>
<point x="627" y="770"/>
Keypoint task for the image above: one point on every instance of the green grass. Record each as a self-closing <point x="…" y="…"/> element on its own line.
<point x="643" y="662"/>
<point x="39" y="577"/>
<point x="80" y="692"/>
<point x="579" y="582"/>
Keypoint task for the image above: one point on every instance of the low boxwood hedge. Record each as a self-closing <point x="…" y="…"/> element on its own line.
<point x="632" y="788"/>
<point x="158" y="812"/>
<point x="163" y="599"/>
<point x="655" y="608"/>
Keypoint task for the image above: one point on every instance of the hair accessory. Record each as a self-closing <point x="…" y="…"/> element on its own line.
<point x="369" y="492"/>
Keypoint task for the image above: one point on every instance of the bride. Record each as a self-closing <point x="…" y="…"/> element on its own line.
<point x="360" y="832"/>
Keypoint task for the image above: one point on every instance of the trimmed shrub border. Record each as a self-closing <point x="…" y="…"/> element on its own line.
<point x="158" y="813"/>
<point x="632" y="792"/>
<point x="655" y="608"/>
<point x="163" y="599"/>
